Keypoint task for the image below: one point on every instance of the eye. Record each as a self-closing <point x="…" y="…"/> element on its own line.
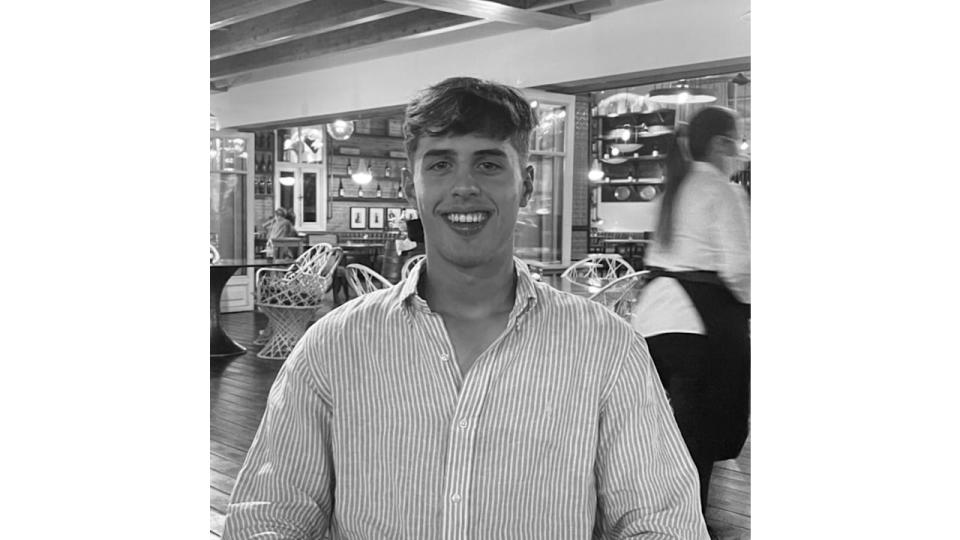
<point x="439" y="166"/>
<point x="489" y="166"/>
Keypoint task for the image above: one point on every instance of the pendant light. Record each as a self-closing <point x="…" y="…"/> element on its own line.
<point x="681" y="94"/>
<point x="596" y="172"/>
<point x="363" y="175"/>
<point x="340" y="130"/>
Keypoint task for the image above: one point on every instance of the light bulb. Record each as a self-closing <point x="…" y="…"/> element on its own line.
<point x="614" y="151"/>
<point x="744" y="145"/>
<point x="596" y="173"/>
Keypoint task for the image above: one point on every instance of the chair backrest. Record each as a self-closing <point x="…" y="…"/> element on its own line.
<point x="621" y="294"/>
<point x="214" y="254"/>
<point x="303" y="283"/>
<point x="363" y="279"/>
<point x="597" y="270"/>
<point x="409" y="264"/>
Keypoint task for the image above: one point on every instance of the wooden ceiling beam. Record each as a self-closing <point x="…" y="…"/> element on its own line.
<point x="493" y="11"/>
<point x="227" y="12"/>
<point x="310" y="19"/>
<point x="405" y="25"/>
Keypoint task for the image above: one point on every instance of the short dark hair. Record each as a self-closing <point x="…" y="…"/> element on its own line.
<point x="464" y="105"/>
<point x="705" y="125"/>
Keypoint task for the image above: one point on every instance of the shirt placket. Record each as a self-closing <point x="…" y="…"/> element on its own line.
<point x="463" y="432"/>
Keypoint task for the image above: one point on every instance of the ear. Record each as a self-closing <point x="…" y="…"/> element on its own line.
<point x="527" y="188"/>
<point x="406" y="183"/>
<point x="715" y="145"/>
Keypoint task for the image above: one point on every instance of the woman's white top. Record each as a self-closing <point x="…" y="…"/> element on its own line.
<point x="711" y="231"/>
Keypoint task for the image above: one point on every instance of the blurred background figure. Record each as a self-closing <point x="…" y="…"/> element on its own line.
<point x="410" y="240"/>
<point x="694" y="313"/>
<point x="279" y="226"/>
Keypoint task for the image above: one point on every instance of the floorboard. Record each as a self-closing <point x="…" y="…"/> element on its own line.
<point x="238" y="395"/>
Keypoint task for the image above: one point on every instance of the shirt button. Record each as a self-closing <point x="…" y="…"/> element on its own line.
<point x="455" y="497"/>
<point x="444" y="357"/>
<point x="463" y="424"/>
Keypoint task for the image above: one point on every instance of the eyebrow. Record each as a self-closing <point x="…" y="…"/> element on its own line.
<point x="442" y="152"/>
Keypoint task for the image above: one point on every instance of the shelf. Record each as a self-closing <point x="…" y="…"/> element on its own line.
<point x="368" y="199"/>
<point x="632" y="158"/>
<point x="375" y="178"/>
<point x="366" y="156"/>
<point x="366" y="136"/>
<point x="638" y="182"/>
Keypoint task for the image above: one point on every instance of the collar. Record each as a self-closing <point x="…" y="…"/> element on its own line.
<point x="707" y="168"/>
<point x="525" y="298"/>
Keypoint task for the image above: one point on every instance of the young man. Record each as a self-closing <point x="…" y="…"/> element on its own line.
<point x="468" y="401"/>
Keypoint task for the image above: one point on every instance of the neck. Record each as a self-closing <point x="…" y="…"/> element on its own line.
<point x="469" y="293"/>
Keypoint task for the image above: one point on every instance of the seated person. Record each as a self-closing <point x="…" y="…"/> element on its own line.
<point x="280" y="226"/>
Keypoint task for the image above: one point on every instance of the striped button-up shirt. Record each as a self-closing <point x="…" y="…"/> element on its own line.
<point x="560" y="429"/>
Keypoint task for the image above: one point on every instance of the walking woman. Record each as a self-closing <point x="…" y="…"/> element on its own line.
<point x="694" y="313"/>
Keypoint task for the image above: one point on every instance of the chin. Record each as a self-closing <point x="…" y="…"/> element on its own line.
<point x="467" y="257"/>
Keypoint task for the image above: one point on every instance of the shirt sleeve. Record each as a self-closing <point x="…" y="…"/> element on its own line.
<point x="732" y="230"/>
<point x="647" y="486"/>
<point x="285" y="488"/>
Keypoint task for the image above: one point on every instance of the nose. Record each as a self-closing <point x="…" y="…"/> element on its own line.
<point x="465" y="185"/>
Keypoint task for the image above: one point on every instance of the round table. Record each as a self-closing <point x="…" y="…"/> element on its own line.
<point x="222" y="345"/>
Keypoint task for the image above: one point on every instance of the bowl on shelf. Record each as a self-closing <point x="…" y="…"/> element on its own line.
<point x="654" y="131"/>
<point x="614" y="160"/>
<point x="626" y="148"/>
<point x="647" y="193"/>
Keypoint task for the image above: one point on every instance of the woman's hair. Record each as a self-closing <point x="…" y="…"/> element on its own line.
<point x="691" y="143"/>
<point x="291" y="217"/>
<point x="280" y="211"/>
<point x="464" y="105"/>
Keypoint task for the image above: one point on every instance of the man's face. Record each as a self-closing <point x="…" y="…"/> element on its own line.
<point x="469" y="190"/>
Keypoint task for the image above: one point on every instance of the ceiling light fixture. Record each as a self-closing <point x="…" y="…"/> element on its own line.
<point x="340" y="130"/>
<point x="363" y="176"/>
<point x="681" y="94"/>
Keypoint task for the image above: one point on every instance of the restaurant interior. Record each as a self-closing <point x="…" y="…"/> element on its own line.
<point x="306" y="109"/>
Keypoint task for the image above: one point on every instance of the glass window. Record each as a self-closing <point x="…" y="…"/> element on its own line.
<point x="309" y="197"/>
<point x="538" y="235"/>
<point x="227" y="218"/>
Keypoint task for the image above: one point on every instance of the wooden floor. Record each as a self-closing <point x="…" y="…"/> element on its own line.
<point x="238" y="397"/>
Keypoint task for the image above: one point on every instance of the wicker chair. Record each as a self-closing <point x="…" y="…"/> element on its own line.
<point x="621" y="294"/>
<point x="264" y="336"/>
<point x="409" y="264"/>
<point x="597" y="270"/>
<point x="291" y="297"/>
<point x="363" y="279"/>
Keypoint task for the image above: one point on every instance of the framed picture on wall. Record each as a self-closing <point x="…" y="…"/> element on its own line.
<point x="358" y="217"/>
<point x="376" y="218"/>
<point x="393" y="218"/>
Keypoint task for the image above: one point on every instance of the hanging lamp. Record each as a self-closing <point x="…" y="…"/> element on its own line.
<point x="681" y="94"/>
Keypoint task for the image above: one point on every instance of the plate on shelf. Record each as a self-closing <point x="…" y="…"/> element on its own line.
<point x="648" y="193"/>
<point x="622" y="193"/>
<point x="619" y="134"/>
<point x="625" y="148"/>
<point x="614" y="160"/>
<point x="654" y="131"/>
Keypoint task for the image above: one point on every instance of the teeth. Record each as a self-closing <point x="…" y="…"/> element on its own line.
<point x="474" y="217"/>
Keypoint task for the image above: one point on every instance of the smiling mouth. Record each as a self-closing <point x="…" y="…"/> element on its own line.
<point x="467" y="222"/>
